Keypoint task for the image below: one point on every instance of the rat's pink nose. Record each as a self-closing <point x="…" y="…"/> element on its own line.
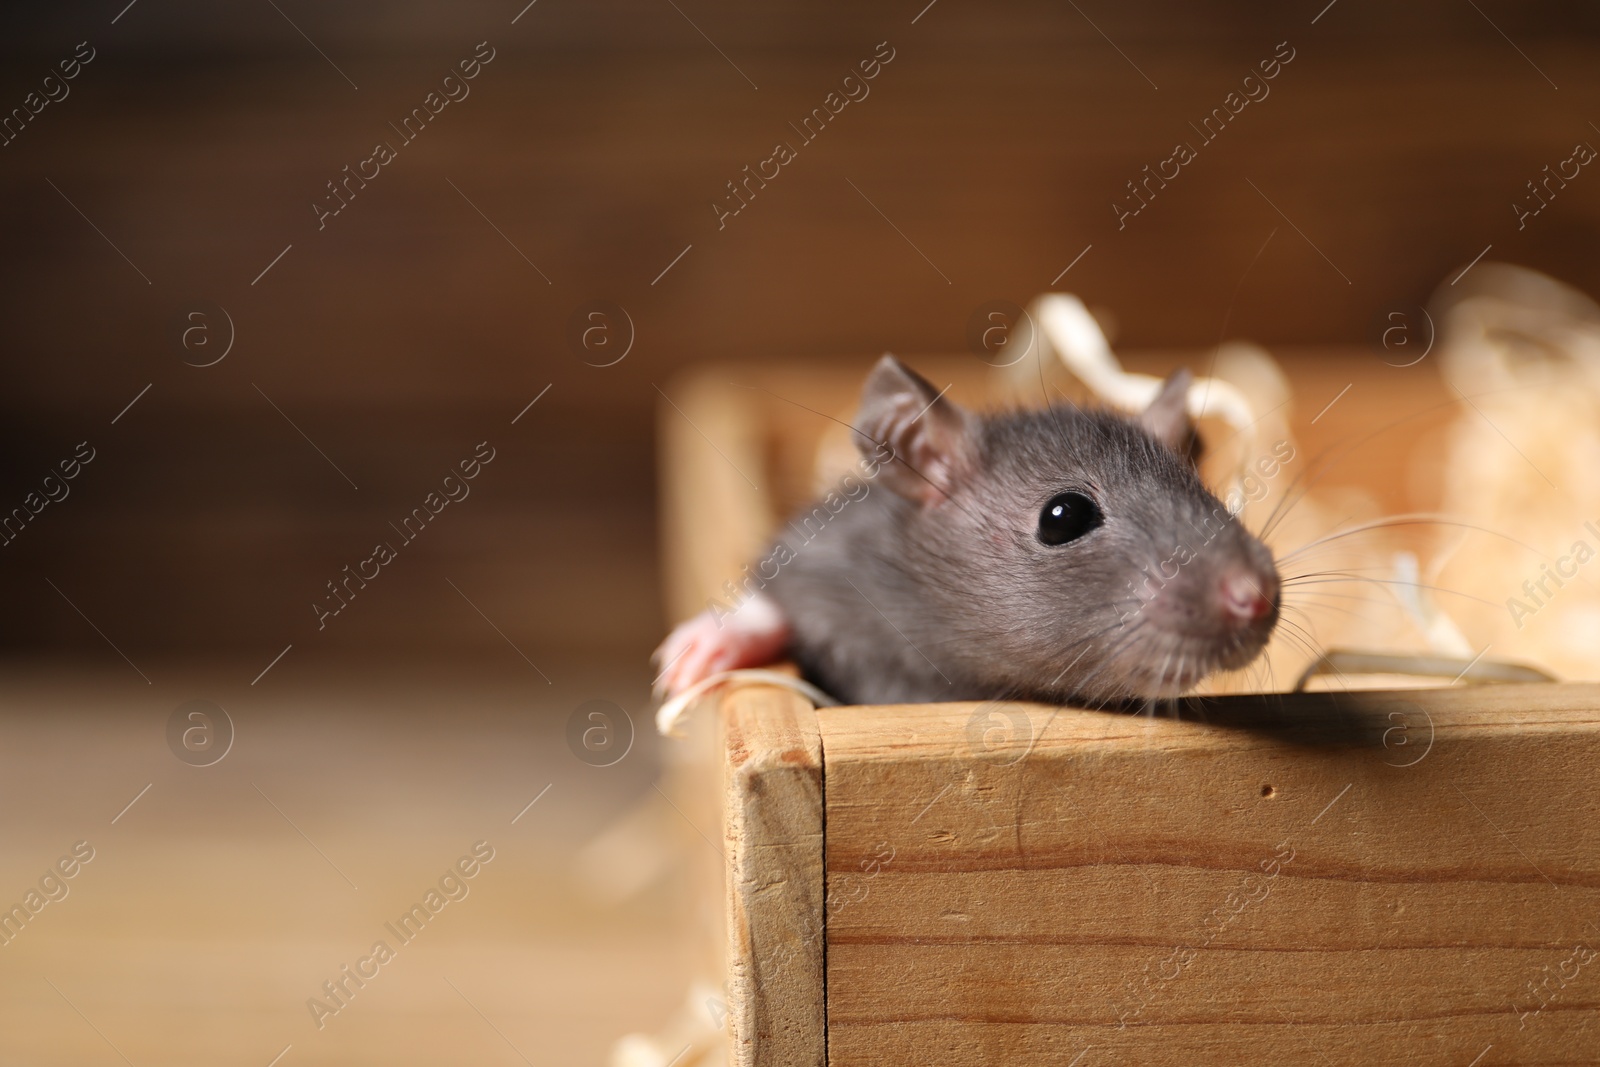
<point x="1242" y="597"/>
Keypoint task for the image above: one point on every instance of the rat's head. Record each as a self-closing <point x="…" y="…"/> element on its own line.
<point x="1073" y="552"/>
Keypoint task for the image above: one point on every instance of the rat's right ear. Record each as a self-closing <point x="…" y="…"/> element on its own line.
<point x="924" y="441"/>
<point x="1167" y="417"/>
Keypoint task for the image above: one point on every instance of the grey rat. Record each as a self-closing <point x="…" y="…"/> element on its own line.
<point x="1062" y="555"/>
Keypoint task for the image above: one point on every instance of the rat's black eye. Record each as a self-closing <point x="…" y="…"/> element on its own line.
<point x="1068" y="517"/>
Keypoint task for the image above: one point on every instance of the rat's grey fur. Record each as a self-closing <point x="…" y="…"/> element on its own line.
<point x="899" y="600"/>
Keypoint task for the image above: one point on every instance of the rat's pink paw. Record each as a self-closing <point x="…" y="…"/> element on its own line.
<point x="752" y="636"/>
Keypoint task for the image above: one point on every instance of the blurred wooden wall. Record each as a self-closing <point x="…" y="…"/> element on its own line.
<point x="983" y="162"/>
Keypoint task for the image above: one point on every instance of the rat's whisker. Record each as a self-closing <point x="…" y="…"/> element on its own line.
<point x="1299" y="590"/>
<point x="1347" y="568"/>
<point x="1299" y="634"/>
<point x="1303" y="629"/>
<point x="1285" y="504"/>
<point x="1312" y="474"/>
<point x="1116" y="647"/>
<point x="1107" y="660"/>
<point x="1309" y="648"/>
<point x="1289" y="501"/>
<point x="1071" y="665"/>
<point x="1161" y="682"/>
<point x="1061" y="431"/>
<point x="1411" y="519"/>
<point x="1255" y="677"/>
<point x="1314" y="580"/>
<point x="1341" y="678"/>
<point x="1272" y="677"/>
<point x="1329" y="607"/>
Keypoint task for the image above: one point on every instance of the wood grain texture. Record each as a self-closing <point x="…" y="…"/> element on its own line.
<point x="773" y="830"/>
<point x="1381" y="878"/>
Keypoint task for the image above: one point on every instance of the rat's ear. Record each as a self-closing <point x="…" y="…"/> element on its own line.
<point x="932" y="438"/>
<point x="1167" y="417"/>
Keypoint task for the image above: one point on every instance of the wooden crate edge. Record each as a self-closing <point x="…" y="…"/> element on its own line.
<point x="773" y="830"/>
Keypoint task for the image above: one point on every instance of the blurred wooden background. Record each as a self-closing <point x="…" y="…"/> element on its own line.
<point x="596" y="141"/>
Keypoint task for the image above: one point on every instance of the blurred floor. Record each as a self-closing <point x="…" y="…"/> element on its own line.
<point x="224" y="896"/>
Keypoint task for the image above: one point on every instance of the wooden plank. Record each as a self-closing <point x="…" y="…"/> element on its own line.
<point x="1378" y="878"/>
<point x="773" y="831"/>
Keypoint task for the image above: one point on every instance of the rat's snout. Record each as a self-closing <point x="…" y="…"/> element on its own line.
<point x="1244" y="595"/>
<point x="1244" y="603"/>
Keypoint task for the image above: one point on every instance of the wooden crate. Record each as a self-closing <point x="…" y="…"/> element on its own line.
<point x="1371" y="878"/>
